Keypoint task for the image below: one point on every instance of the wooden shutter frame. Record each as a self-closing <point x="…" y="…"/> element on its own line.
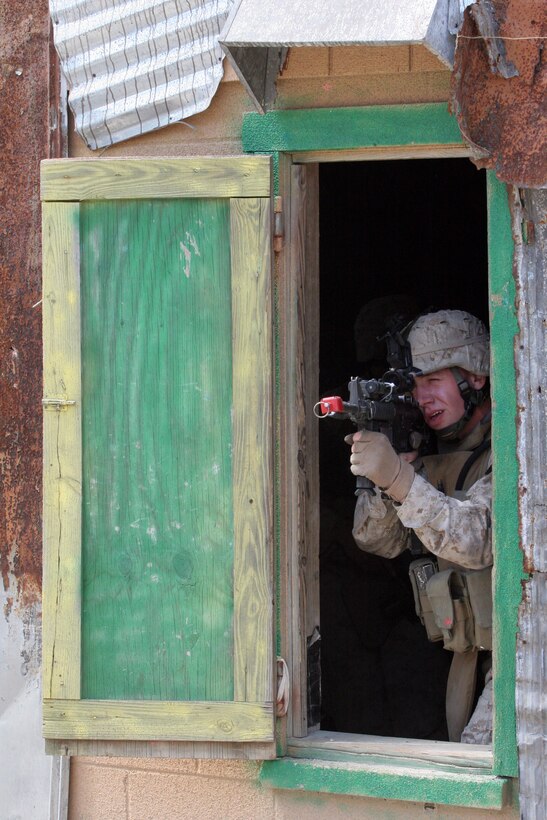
<point x="250" y="716"/>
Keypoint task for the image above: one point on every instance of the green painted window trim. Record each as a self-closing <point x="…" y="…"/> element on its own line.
<point x="329" y="129"/>
<point x="431" y="124"/>
<point x="333" y="129"/>
<point x="396" y="780"/>
<point x="507" y="582"/>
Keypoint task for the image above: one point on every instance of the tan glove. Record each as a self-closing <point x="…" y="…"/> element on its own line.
<point x="373" y="456"/>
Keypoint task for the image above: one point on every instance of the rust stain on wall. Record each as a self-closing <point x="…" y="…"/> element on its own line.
<point x="499" y="88"/>
<point x="24" y="141"/>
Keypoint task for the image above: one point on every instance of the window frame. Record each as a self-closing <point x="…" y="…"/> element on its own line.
<point x="298" y="138"/>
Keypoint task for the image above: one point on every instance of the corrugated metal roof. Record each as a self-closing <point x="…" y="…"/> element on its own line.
<point x="138" y="65"/>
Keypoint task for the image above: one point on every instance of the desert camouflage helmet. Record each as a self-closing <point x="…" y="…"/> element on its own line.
<point x="450" y="338"/>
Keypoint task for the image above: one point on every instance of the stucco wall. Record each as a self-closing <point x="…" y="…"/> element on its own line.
<point x="117" y="789"/>
<point x="311" y="78"/>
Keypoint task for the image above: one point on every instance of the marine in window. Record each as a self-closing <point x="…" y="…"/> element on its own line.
<point x="439" y="506"/>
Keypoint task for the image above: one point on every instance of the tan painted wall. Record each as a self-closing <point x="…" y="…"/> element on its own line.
<point x="312" y="77"/>
<point x="129" y="789"/>
<point x="117" y="789"/>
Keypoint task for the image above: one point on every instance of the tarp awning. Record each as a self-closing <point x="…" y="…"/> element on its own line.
<point x="258" y="33"/>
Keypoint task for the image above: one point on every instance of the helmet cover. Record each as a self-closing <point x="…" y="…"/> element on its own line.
<point x="450" y="338"/>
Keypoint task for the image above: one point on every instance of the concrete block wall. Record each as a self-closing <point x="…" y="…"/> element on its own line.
<point x="120" y="789"/>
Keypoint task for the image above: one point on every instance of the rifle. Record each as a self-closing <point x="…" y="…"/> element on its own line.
<point x="384" y="405"/>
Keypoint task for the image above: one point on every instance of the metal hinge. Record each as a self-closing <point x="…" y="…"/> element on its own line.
<point x="279" y="225"/>
<point x="57" y="403"/>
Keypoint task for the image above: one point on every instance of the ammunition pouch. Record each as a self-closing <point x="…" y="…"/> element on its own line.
<point x="454" y="605"/>
<point x="421" y="570"/>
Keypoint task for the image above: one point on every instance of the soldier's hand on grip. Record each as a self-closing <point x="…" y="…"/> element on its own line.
<point x="373" y="456"/>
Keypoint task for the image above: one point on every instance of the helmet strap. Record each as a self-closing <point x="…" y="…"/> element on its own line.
<point x="472" y="398"/>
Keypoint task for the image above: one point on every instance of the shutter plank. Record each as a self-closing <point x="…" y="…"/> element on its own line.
<point x="62" y="475"/>
<point x="196" y="177"/>
<point x="157" y="512"/>
<point x="252" y="448"/>
<point x="158" y="720"/>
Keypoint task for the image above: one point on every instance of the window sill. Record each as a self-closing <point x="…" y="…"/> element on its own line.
<point x="390" y="768"/>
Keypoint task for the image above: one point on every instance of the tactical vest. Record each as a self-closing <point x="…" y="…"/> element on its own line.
<point x="454" y="604"/>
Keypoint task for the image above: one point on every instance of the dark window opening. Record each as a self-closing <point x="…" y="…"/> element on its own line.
<point x="414" y="229"/>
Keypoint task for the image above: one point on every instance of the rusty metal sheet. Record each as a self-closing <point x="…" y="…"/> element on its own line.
<point x="29" y="119"/>
<point x="136" y="66"/>
<point x="530" y="698"/>
<point x="24" y="114"/>
<point x="499" y="88"/>
<point x="529" y="219"/>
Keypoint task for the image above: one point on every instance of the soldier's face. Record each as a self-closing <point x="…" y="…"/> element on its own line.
<point x="439" y="398"/>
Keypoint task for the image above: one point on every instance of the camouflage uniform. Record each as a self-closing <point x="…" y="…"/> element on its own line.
<point x="453" y="525"/>
<point x="457" y="531"/>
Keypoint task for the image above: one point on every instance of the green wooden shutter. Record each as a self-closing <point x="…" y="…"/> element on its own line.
<point x="158" y="454"/>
